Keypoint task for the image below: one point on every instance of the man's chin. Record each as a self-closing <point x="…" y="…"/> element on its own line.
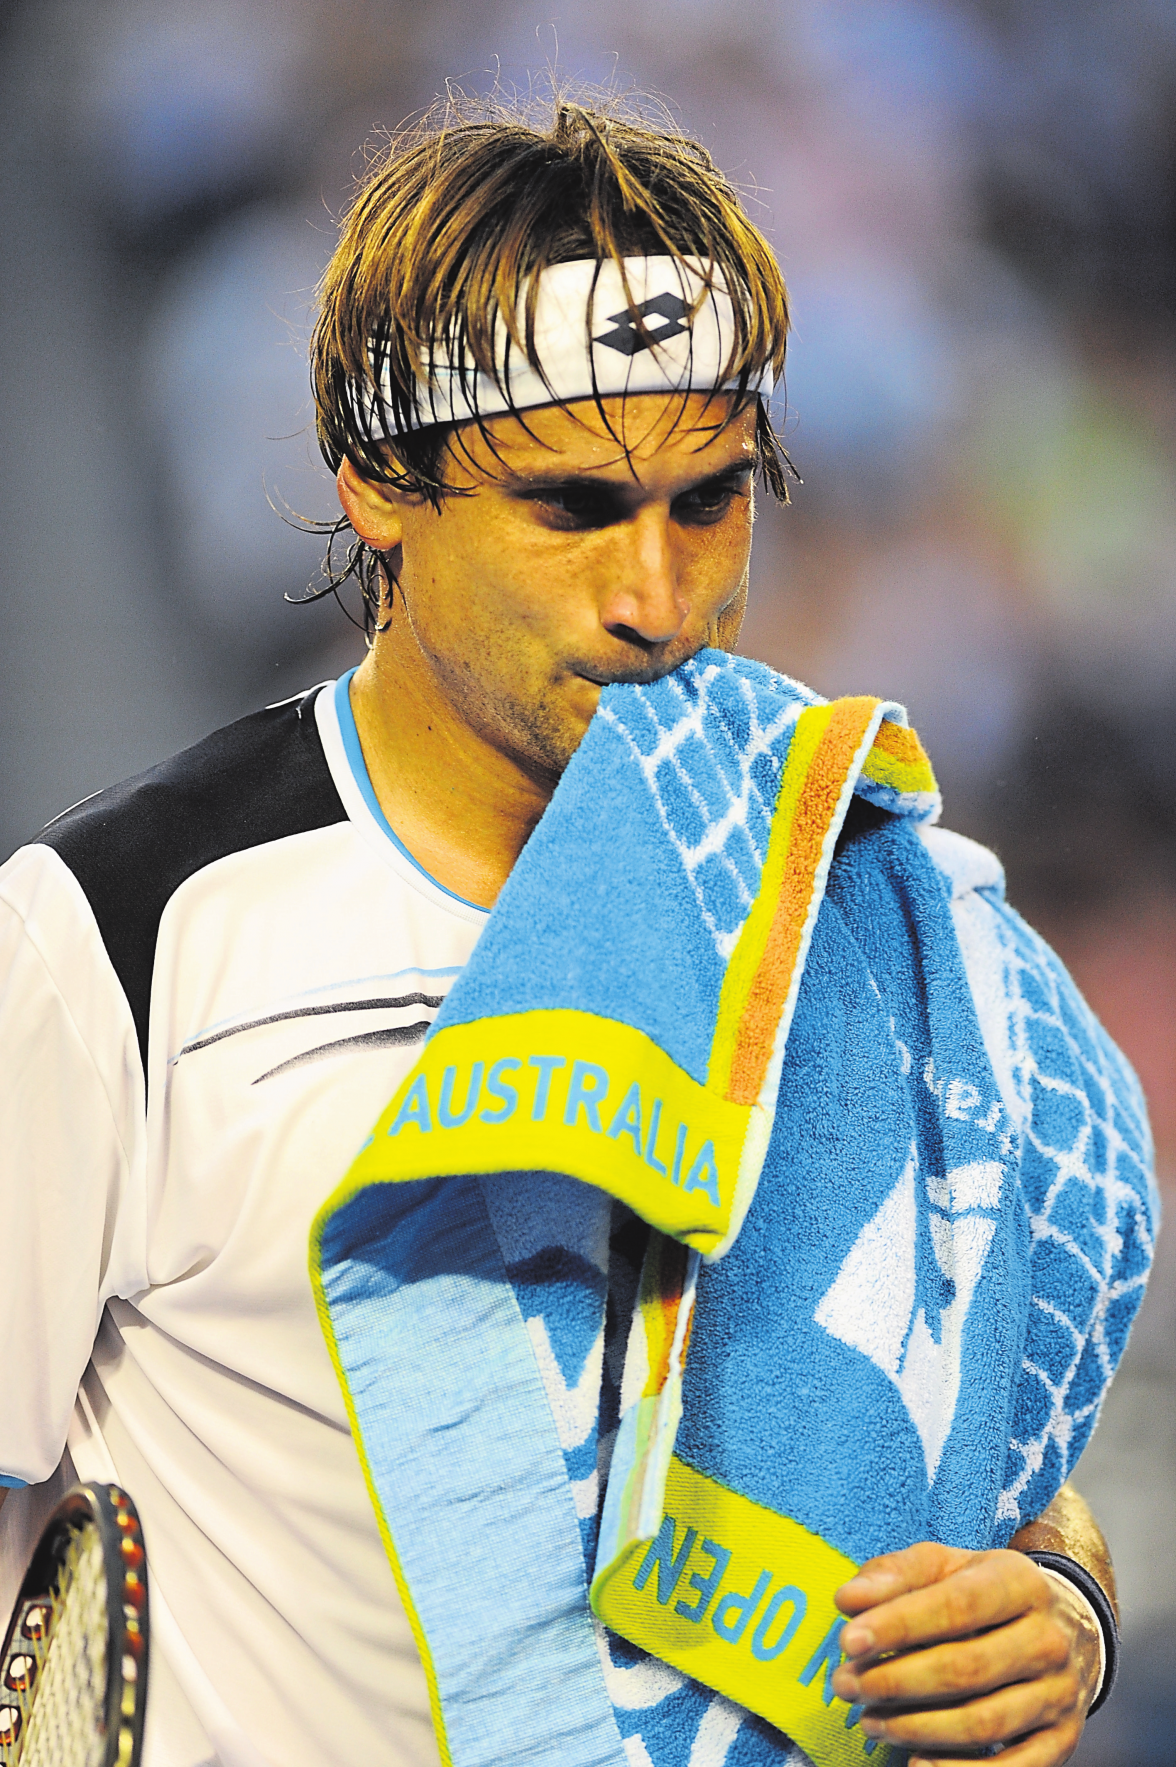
<point x="546" y="735"/>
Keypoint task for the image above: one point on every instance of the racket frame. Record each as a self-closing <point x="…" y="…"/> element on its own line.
<point x="111" y="1510"/>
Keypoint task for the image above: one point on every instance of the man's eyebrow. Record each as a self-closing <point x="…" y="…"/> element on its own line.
<point x="555" y="480"/>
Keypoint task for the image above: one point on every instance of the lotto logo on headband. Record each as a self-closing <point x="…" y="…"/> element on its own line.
<point x="685" y="349"/>
<point x="627" y="337"/>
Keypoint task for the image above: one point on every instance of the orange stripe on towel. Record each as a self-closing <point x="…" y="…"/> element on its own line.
<point x="898" y="740"/>
<point x="897" y="759"/>
<point x="662" y="1282"/>
<point x="814" y="811"/>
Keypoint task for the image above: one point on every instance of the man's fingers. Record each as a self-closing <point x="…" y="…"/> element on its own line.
<point x="881" y="1579"/>
<point x="1033" y="1645"/>
<point x="1044" y="1748"/>
<point x="988" y="1589"/>
<point x="1001" y="1717"/>
<point x="953" y="1652"/>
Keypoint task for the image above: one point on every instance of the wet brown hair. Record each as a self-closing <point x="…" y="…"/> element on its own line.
<point x="454" y="220"/>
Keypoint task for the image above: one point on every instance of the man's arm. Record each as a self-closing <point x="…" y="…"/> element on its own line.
<point x="1069" y="1529"/>
<point x="72" y="1128"/>
<point x="988" y="1647"/>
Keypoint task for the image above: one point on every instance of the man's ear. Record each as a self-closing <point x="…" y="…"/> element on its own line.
<point x="374" y="511"/>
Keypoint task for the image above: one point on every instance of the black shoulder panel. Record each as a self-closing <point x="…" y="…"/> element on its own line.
<point x="131" y="847"/>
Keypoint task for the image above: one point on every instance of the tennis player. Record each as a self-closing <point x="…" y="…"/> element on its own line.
<point x="213" y="977"/>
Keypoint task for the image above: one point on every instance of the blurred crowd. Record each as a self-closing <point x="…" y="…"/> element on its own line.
<point x="974" y="202"/>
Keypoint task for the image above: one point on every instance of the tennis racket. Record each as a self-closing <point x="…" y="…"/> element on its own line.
<point x="73" y="1674"/>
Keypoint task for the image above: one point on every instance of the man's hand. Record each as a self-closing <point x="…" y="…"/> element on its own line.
<point x="989" y="1650"/>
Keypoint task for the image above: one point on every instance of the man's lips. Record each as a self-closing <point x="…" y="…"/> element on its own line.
<point x="637" y="677"/>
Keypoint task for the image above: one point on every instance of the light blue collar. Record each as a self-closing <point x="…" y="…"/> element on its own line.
<point x="359" y="773"/>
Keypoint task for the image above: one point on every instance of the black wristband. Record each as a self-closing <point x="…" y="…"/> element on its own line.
<point x="1096" y="1595"/>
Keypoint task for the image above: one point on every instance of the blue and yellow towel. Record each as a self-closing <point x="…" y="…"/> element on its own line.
<point x="764" y="1198"/>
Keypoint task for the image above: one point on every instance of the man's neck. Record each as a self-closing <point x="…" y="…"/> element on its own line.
<point x="462" y="808"/>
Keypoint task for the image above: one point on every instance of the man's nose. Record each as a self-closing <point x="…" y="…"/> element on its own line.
<point x="646" y="597"/>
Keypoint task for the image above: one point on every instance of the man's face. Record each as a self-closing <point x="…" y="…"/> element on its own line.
<point x="572" y="563"/>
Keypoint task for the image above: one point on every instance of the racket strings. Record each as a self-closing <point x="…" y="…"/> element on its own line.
<point x="67" y="1723"/>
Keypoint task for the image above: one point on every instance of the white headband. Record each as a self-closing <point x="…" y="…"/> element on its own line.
<point x="686" y="353"/>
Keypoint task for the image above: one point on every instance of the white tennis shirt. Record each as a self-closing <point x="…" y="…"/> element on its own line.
<point x="211" y="981"/>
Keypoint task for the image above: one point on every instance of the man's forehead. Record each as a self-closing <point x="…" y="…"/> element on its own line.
<point x="698" y="434"/>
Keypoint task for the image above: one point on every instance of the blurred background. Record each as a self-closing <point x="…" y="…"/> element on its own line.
<point x="975" y="204"/>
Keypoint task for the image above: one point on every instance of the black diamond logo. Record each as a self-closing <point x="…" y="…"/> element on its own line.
<point x="628" y="340"/>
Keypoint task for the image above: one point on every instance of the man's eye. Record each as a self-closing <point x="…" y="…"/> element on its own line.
<point x="708" y="501"/>
<point x="579" y="509"/>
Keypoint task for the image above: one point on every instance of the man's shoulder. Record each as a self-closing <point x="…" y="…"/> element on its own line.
<point x="256" y="780"/>
<point x="130" y="847"/>
<point x="964" y="865"/>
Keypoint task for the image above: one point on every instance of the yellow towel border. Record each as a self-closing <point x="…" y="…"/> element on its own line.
<point x="741" y="1599"/>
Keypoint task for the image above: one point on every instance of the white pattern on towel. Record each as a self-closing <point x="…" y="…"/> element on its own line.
<point x="871" y="1304"/>
<point x="575" y="1408"/>
<point x="721" y="1724"/>
<point x="1019" y="1002"/>
<point x="735" y="826"/>
<point x="640" y="1685"/>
